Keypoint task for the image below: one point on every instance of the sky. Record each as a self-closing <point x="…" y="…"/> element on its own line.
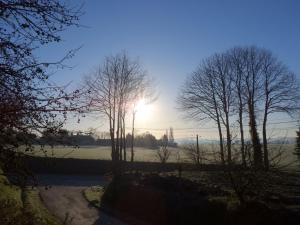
<point x="170" y="38"/>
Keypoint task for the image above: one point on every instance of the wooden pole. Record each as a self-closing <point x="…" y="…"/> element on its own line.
<point x="198" y="151"/>
<point x="132" y="137"/>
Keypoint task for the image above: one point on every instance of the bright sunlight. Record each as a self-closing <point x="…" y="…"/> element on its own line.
<point x="143" y="110"/>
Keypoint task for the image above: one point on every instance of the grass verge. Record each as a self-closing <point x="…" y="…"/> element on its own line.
<point x="22" y="207"/>
<point x="93" y="195"/>
<point x="11" y="204"/>
<point x="34" y="207"/>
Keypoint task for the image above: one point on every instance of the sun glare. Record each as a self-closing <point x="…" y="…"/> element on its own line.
<point x="141" y="105"/>
<point x="143" y="110"/>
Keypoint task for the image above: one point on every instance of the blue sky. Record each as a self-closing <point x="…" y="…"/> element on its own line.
<point x="170" y="38"/>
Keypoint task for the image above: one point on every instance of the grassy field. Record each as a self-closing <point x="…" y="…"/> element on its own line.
<point x="102" y="152"/>
<point x="149" y="155"/>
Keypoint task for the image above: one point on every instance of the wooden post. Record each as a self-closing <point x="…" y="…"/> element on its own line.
<point x="198" y="151"/>
<point x="132" y="137"/>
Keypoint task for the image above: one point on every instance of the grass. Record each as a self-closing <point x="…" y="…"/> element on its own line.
<point x="231" y="202"/>
<point x="19" y="206"/>
<point x="293" y="207"/>
<point x="149" y="155"/>
<point x="9" y="193"/>
<point x="11" y="203"/>
<point x="34" y="207"/>
<point x="102" y="152"/>
<point x="93" y="195"/>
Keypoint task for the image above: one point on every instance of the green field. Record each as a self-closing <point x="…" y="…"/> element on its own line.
<point x="149" y="155"/>
<point x="103" y="152"/>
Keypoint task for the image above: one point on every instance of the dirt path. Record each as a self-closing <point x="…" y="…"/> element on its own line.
<point x="65" y="198"/>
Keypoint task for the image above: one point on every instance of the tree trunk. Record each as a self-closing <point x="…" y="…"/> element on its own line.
<point x="228" y="139"/>
<point x="265" y="142"/>
<point x="221" y="141"/>
<point x="118" y="136"/>
<point x="242" y="137"/>
<point x="121" y="140"/>
<point x="219" y="130"/>
<point x="132" y="137"/>
<point x="124" y="139"/>
<point x="241" y="127"/>
<point x="198" y="152"/>
<point x="240" y="102"/>
<point x="257" y="152"/>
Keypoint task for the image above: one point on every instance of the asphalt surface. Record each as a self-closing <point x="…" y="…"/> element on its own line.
<point x="62" y="195"/>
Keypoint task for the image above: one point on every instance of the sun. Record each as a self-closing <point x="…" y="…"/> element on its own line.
<point x="140" y="105"/>
<point x="143" y="110"/>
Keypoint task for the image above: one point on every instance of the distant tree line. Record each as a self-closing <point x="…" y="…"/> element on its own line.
<point x="149" y="141"/>
<point x="68" y="138"/>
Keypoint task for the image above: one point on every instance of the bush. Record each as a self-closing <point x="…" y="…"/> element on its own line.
<point x="171" y="200"/>
<point x="161" y="200"/>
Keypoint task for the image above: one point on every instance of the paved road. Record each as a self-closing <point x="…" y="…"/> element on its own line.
<point x="62" y="195"/>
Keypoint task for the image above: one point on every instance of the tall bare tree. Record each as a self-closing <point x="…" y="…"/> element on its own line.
<point x="111" y="91"/>
<point x="252" y="93"/>
<point x="237" y="61"/>
<point x="241" y="83"/>
<point x="198" y="99"/>
<point x="207" y="94"/>
<point x="224" y="90"/>
<point x="281" y="93"/>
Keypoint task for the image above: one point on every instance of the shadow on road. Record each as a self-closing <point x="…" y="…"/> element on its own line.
<point x="70" y="180"/>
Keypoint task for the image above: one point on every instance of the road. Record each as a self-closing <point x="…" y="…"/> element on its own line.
<point x="62" y="195"/>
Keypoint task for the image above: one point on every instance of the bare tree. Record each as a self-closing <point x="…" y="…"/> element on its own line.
<point x="208" y="93"/>
<point x="252" y="94"/>
<point x="196" y="153"/>
<point x="132" y="134"/>
<point x="30" y="102"/>
<point x="198" y="99"/>
<point x="281" y="93"/>
<point x="111" y="90"/>
<point x="238" y="68"/>
<point x="241" y="83"/>
<point x="163" y="153"/>
<point x="146" y="96"/>
<point x="266" y="82"/>
<point x="171" y="136"/>
<point x="224" y="90"/>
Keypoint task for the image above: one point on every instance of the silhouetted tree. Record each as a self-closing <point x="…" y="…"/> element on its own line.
<point x="281" y="93"/>
<point x="163" y="153"/>
<point x="266" y="85"/>
<point x="207" y="94"/>
<point x="238" y="63"/>
<point x="111" y="90"/>
<point x="194" y="153"/>
<point x="242" y="80"/>
<point x="29" y="102"/>
<point x="171" y="136"/>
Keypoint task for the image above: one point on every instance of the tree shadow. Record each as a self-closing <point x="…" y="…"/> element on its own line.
<point x="70" y="180"/>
